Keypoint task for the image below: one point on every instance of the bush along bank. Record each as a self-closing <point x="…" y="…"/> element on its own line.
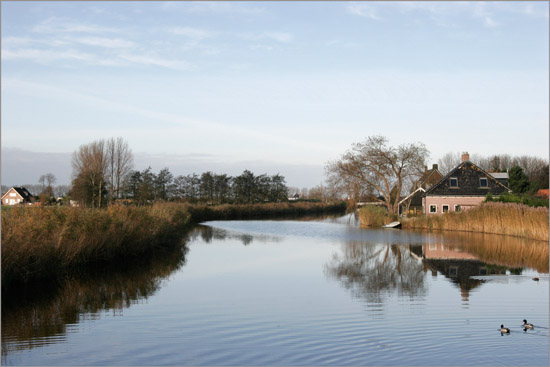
<point x="492" y="217"/>
<point x="50" y="242"/>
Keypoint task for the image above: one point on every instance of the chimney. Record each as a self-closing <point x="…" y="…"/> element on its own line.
<point x="465" y="156"/>
<point x="434" y="166"/>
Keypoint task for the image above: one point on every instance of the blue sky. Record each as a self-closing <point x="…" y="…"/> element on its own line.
<point x="274" y="87"/>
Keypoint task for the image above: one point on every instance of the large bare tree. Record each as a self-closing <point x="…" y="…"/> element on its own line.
<point x="120" y="164"/>
<point x="90" y="163"/>
<point x="376" y="165"/>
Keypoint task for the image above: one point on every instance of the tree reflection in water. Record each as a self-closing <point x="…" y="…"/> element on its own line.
<point x="32" y="315"/>
<point x="207" y="234"/>
<point x="370" y="270"/>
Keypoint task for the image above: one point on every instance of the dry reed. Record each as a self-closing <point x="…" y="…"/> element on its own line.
<point x="499" y="218"/>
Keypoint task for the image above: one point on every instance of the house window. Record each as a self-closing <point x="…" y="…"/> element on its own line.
<point x="433" y="208"/>
<point x="12" y="194"/>
<point x="453" y="182"/>
<point x="483" y="182"/>
<point x="457" y="208"/>
<point x="445" y="208"/>
<point x="483" y="271"/>
<point x="453" y="271"/>
<point x="433" y="246"/>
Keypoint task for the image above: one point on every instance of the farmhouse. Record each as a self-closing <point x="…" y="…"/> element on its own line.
<point x="465" y="187"/>
<point x="412" y="204"/>
<point x="16" y="196"/>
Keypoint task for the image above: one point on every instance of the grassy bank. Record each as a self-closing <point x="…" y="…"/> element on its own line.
<point x="46" y="242"/>
<point x="499" y="218"/>
<point x="375" y="216"/>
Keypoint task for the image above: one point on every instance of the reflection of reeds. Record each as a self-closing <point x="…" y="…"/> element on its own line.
<point x="511" y="252"/>
<point x="499" y="218"/>
<point x="33" y="314"/>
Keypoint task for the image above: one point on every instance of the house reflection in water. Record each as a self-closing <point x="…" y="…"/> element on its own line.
<point x="457" y="265"/>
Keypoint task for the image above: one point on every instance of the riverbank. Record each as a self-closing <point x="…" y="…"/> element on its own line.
<point x="50" y="242"/>
<point x="493" y="217"/>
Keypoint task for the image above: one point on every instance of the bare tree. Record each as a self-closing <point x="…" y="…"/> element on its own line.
<point x="381" y="167"/>
<point x="121" y="162"/>
<point x="448" y="162"/>
<point x="90" y="174"/>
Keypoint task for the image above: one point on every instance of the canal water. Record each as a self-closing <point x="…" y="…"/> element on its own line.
<point x="295" y="292"/>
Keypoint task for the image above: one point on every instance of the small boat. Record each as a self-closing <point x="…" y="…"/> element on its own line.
<point x="392" y="225"/>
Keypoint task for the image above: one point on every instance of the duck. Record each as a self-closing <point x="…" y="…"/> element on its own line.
<point x="504" y="330"/>
<point x="526" y="325"/>
<point x="536" y="279"/>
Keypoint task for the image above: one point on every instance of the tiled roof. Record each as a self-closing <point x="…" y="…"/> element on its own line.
<point x="468" y="175"/>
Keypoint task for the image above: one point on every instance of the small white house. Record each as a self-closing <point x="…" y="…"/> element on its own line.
<point x="16" y="196"/>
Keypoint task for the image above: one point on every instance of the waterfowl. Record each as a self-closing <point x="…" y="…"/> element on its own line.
<point x="536" y="279"/>
<point x="504" y="330"/>
<point x="526" y="325"/>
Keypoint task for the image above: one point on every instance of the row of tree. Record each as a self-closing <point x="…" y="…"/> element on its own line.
<point x="102" y="173"/>
<point x="209" y="187"/>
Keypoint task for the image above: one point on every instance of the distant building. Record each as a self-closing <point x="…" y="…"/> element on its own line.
<point x="465" y="187"/>
<point x="294" y="197"/>
<point x="16" y="196"/>
<point x="501" y="177"/>
<point x="412" y="204"/>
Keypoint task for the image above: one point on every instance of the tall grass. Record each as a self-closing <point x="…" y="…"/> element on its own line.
<point x="500" y="218"/>
<point x="46" y="241"/>
<point x="40" y="242"/>
<point x="375" y="216"/>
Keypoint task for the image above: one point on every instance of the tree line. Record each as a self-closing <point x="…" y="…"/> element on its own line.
<point x="103" y="173"/>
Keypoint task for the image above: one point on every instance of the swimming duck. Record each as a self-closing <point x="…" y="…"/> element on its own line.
<point x="526" y="325"/>
<point x="504" y="330"/>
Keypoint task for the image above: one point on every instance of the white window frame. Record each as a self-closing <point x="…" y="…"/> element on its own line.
<point x="434" y="206"/>
<point x="486" y="180"/>
<point x="450" y="180"/>
<point x="443" y="208"/>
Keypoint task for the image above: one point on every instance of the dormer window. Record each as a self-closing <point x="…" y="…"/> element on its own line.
<point x="483" y="182"/>
<point x="453" y="182"/>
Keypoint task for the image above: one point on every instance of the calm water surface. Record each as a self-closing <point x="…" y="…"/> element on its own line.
<point x="319" y="292"/>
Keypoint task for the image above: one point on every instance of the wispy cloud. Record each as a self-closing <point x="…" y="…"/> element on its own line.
<point x="282" y="37"/>
<point x="443" y="13"/>
<point x="116" y="43"/>
<point x="362" y="10"/>
<point x="193" y="33"/>
<point x="216" y="7"/>
<point x="153" y="60"/>
<point x="66" y="25"/>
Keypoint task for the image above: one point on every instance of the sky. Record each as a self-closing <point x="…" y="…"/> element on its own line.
<point x="273" y="87"/>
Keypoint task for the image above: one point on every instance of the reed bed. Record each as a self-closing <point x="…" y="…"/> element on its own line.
<point x="375" y="216"/>
<point x="39" y="242"/>
<point x="45" y="242"/>
<point x="493" y="217"/>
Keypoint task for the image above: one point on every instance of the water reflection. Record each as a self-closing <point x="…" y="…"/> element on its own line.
<point x="43" y="314"/>
<point x="506" y="251"/>
<point x="208" y="234"/>
<point x="371" y="270"/>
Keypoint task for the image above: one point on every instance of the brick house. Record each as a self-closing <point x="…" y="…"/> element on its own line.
<point x="16" y="196"/>
<point x="465" y="187"/>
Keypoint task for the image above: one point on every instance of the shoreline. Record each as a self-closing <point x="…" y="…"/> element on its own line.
<point x="49" y="243"/>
